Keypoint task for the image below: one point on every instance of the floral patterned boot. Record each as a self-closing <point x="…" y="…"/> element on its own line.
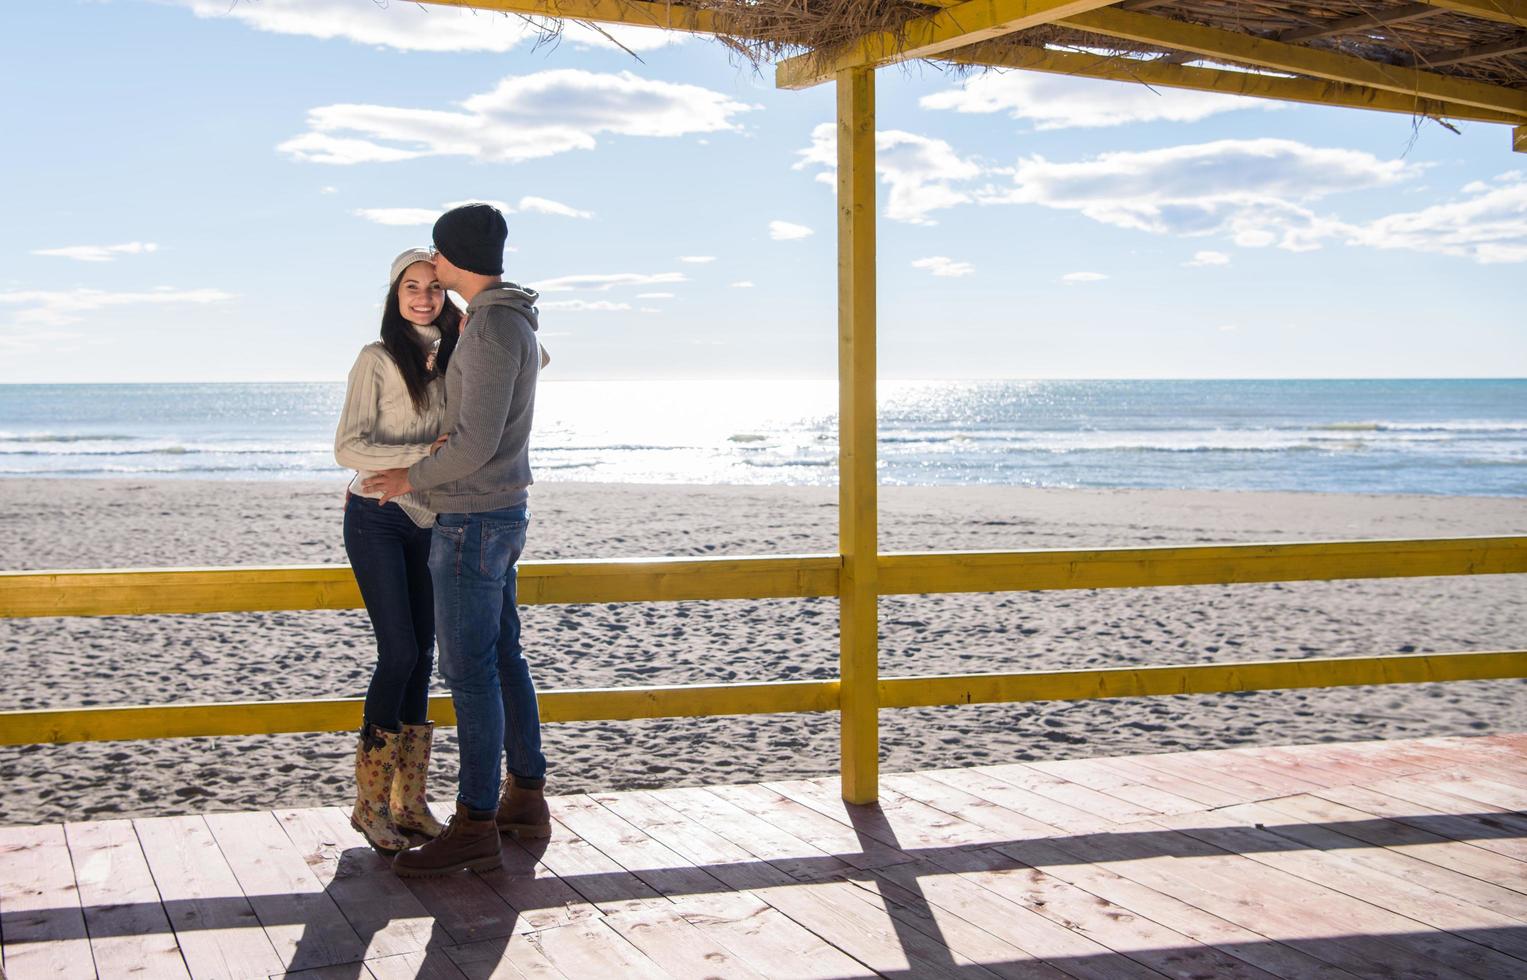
<point x="376" y="756"/>
<point x="410" y="812"/>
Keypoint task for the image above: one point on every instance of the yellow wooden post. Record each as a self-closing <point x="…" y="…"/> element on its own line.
<point x="858" y="587"/>
<point x="1519" y="139"/>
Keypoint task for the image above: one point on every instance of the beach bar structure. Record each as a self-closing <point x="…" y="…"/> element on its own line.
<point x="1440" y="60"/>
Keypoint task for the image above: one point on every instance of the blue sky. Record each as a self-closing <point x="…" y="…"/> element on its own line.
<point x="201" y="190"/>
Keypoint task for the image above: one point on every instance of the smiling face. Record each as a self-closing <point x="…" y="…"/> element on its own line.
<point x="420" y="295"/>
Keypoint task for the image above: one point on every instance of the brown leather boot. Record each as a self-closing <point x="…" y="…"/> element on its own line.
<point x="469" y="842"/>
<point x="410" y="812"/>
<point x="522" y="810"/>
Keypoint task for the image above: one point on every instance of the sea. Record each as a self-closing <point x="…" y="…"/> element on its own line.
<point x="1449" y="437"/>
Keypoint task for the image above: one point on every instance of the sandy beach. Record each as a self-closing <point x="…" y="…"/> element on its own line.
<point x="157" y="659"/>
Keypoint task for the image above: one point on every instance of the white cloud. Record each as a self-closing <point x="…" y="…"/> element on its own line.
<point x="942" y="265"/>
<point x="1488" y="225"/>
<point x="654" y="295"/>
<point x="414" y="217"/>
<point x="323" y="148"/>
<point x="503" y="206"/>
<point x="697" y="259"/>
<point x="1256" y="193"/>
<point x="1061" y="102"/>
<point x="399" y="216"/>
<point x="584" y="306"/>
<point x="525" y="117"/>
<point x="919" y="171"/>
<point x="411" y="27"/>
<point x="1072" y="278"/>
<point x="49" y="341"/>
<point x="541" y="205"/>
<point x="54" y="308"/>
<point x="785" y="231"/>
<point x="328" y="190"/>
<point x="742" y="284"/>
<point x="603" y="282"/>
<point x="1253" y="191"/>
<point x="98" y="253"/>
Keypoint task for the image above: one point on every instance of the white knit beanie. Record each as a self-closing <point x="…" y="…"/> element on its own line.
<point x="406" y="259"/>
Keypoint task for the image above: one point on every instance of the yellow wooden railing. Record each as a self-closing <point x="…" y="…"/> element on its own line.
<point x="207" y="590"/>
<point x="857" y="575"/>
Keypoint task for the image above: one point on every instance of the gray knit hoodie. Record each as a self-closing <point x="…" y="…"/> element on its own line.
<point x="490" y="390"/>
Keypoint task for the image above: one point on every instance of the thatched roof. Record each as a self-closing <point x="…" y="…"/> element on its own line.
<point x="1392" y="32"/>
<point x="1460" y="58"/>
<point x="1420" y="35"/>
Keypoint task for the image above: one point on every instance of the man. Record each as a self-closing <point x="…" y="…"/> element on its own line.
<point x="477" y="483"/>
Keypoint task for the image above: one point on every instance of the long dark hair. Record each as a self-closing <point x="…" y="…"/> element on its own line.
<point x="406" y="351"/>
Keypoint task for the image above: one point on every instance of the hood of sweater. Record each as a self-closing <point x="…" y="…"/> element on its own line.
<point x="516" y="297"/>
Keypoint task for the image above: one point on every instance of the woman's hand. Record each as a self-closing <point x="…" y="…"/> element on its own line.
<point x="434" y="447"/>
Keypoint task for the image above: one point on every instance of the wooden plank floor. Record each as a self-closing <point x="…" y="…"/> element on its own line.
<point x="1374" y="859"/>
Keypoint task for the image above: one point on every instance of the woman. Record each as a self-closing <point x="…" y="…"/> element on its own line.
<point x="394" y="409"/>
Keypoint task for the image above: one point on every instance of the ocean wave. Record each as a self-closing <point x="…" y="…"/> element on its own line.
<point x="158" y="451"/>
<point x="175" y="450"/>
<point x="1462" y="427"/>
<point x="616" y="448"/>
<point x="118" y="470"/>
<point x="1249" y="439"/>
<point x="1306" y="447"/>
<point x="936" y="438"/>
<point x="784" y="463"/>
<point x="48" y="437"/>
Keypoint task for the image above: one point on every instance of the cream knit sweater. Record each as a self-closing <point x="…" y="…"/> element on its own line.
<point x="379" y="428"/>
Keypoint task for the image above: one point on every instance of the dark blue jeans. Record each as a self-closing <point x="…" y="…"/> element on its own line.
<point x="390" y="556"/>
<point x="472" y="561"/>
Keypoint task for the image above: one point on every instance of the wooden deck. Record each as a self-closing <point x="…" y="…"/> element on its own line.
<point x="1393" y="859"/>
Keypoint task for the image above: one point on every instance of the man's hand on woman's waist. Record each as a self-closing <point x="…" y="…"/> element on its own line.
<point x="390" y="483"/>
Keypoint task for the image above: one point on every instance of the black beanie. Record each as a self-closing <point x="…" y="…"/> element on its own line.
<point x="472" y="238"/>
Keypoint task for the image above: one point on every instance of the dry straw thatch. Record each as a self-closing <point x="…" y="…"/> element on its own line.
<point x="768" y="30"/>
<point x="765" y="31"/>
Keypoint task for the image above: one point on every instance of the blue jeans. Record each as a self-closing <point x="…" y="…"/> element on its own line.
<point x="389" y="554"/>
<point x="472" y="559"/>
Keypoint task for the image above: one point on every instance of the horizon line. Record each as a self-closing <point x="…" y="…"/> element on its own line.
<point x="823" y="378"/>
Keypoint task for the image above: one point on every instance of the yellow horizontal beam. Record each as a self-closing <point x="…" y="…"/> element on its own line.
<point x="1213" y="42"/>
<point x="925" y="37"/>
<point x="666" y="16"/>
<point x="670" y="579"/>
<point x="139" y="592"/>
<point x="111" y="724"/>
<point x="1311" y="91"/>
<point x="1265" y="675"/>
<point x="107" y="724"/>
<point x="1500" y="11"/>
<point x="625" y="703"/>
<point x="151" y="591"/>
<point x="1022" y="571"/>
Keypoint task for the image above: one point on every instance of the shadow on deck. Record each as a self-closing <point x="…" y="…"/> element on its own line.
<point x="1362" y="859"/>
